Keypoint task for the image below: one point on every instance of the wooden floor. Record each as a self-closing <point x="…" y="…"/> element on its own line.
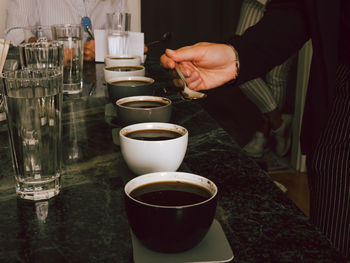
<point x="297" y="187"/>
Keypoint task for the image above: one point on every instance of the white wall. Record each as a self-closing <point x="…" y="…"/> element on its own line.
<point x="135" y="10"/>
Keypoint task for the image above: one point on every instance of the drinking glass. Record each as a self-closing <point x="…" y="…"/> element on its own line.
<point x="117" y="36"/>
<point x="72" y="37"/>
<point x="37" y="33"/>
<point x="40" y="55"/>
<point x="33" y="105"/>
<point x="27" y="34"/>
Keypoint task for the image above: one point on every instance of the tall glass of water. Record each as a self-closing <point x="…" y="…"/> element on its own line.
<point x="33" y="105"/>
<point x="72" y="37"/>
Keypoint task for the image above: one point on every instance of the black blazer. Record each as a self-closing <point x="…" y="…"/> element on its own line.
<point x="285" y="27"/>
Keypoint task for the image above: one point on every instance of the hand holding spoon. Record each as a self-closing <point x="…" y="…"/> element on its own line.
<point x="187" y="93"/>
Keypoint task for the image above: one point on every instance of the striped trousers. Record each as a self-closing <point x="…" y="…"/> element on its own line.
<point x="329" y="170"/>
<point x="269" y="92"/>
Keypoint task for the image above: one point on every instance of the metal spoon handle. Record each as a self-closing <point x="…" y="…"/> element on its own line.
<point x="187" y="93"/>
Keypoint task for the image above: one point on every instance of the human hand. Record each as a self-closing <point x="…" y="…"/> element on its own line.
<point x="89" y="50"/>
<point x="68" y="54"/>
<point x="204" y="65"/>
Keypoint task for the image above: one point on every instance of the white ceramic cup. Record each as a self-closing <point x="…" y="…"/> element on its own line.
<point x="122" y="61"/>
<point x="147" y="156"/>
<point x="112" y="72"/>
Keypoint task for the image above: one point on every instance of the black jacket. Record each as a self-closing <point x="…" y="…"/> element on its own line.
<point x="285" y="27"/>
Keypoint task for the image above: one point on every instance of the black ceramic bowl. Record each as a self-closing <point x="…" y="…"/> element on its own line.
<point x="170" y="212"/>
<point x="136" y="109"/>
<point x="129" y="86"/>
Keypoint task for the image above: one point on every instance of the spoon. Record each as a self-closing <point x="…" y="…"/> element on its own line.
<point x="187" y="93"/>
<point x="165" y="37"/>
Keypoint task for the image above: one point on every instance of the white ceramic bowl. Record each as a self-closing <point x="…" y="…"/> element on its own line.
<point x="113" y="72"/>
<point x="147" y="156"/>
<point x="122" y="61"/>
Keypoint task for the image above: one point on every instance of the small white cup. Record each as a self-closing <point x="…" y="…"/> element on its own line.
<point x="113" y="72"/>
<point x="122" y="61"/>
<point x="148" y="156"/>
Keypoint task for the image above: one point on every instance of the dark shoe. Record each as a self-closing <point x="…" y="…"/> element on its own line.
<point x="255" y="148"/>
<point x="283" y="136"/>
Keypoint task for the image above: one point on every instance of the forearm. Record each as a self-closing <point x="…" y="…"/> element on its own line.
<point x="280" y="33"/>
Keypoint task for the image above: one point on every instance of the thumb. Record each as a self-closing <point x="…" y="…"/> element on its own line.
<point x="180" y="55"/>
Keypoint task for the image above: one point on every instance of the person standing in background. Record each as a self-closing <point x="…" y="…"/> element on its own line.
<point x="48" y="12"/>
<point x="325" y="135"/>
<point x="268" y="93"/>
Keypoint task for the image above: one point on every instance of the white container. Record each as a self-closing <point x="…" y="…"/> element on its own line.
<point x="148" y="156"/>
<point x="113" y="72"/>
<point x="122" y="61"/>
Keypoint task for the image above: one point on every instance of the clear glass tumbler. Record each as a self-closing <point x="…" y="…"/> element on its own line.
<point x="72" y="37"/>
<point x="41" y="55"/>
<point x="33" y="105"/>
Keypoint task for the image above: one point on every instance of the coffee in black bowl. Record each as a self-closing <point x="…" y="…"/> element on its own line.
<point x="170" y="212"/>
<point x="138" y="109"/>
<point x="144" y="104"/>
<point x="122" y="87"/>
<point x="124" y="68"/>
<point x="171" y="193"/>
<point x="130" y="83"/>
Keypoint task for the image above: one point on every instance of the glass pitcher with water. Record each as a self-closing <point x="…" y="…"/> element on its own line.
<point x="117" y="33"/>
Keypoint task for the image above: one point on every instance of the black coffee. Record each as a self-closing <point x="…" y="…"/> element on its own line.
<point x="121" y="58"/>
<point x="144" y="104"/>
<point x="171" y="193"/>
<point x="124" y="69"/>
<point x="130" y="83"/>
<point x="153" y="135"/>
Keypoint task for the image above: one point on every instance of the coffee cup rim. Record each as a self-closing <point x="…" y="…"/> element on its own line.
<point x="147" y="80"/>
<point x="151" y="126"/>
<point x="122" y="57"/>
<point x="120" y="102"/>
<point x="139" y="67"/>
<point x="171" y="177"/>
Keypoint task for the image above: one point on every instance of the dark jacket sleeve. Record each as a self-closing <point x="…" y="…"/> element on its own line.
<point x="278" y="35"/>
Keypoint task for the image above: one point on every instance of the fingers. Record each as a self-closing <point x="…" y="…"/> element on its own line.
<point x="90" y="44"/>
<point x="169" y="59"/>
<point x="68" y="54"/>
<point x="184" y="57"/>
<point x="89" y="54"/>
<point x="192" y="76"/>
<point x="188" y="53"/>
<point x="196" y="84"/>
<point x="89" y="50"/>
<point x="167" y="62"/>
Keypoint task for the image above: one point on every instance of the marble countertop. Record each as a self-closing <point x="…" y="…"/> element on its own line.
<point x="86" y="222"/>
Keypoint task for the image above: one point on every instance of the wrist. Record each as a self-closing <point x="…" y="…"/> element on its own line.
<point x="235" y="61"/>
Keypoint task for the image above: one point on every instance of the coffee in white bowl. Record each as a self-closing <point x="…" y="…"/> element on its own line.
<point x="153" y="146"/>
